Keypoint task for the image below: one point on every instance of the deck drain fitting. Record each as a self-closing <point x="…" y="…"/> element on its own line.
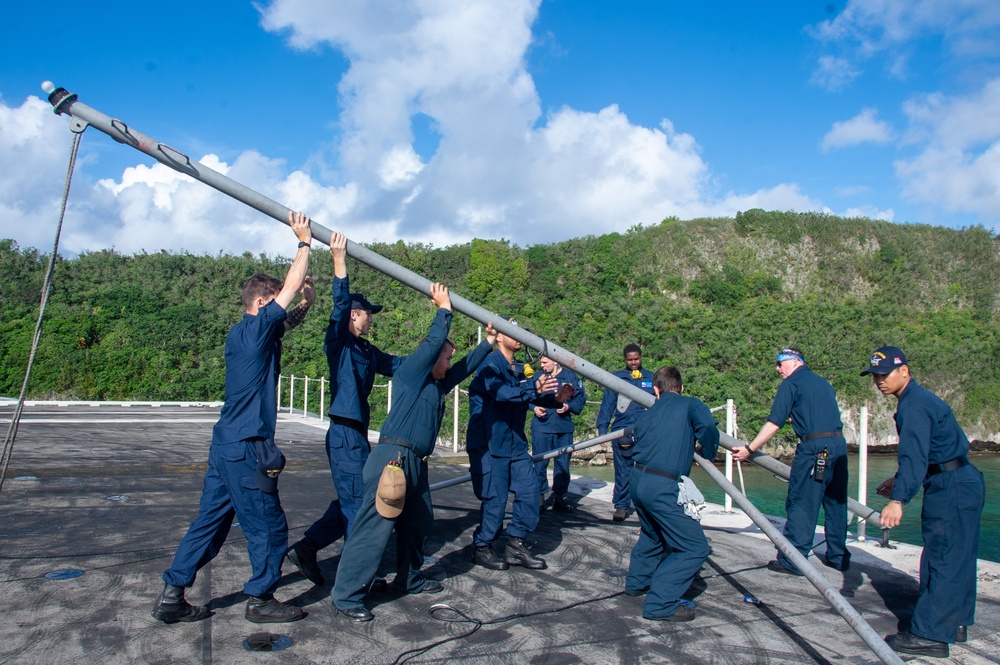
<point x="267" y="642"/>
<point x="63" y="574"/>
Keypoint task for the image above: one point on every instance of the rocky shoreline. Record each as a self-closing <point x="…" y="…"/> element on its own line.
<point x="601" y="455"/>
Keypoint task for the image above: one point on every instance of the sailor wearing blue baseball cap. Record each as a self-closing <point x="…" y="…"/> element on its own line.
<point x="932" y="452"/>
<point x="353" y="362"/>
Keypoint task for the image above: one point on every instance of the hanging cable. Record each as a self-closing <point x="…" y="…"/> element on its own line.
<point x="8" y="444"/>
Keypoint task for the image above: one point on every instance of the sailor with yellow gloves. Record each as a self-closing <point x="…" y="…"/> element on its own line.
<point x="625" y="412"/>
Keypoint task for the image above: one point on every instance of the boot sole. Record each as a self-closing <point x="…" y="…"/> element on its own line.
<point x="525" y="565"/>
<point x="168" y="619"/>
<point x="490" y="566"/>
<point x="266" y="619"/>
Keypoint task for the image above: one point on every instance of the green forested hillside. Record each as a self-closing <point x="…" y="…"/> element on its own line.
<point x="715" y="297"/>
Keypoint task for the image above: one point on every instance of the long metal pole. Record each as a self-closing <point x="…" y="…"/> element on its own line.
<point x="818" y="580"/>
<point x="565" y="450"/>
<point x="65" y="102"/>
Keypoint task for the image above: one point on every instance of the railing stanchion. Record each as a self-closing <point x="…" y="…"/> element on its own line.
<point x="863" y="470"/>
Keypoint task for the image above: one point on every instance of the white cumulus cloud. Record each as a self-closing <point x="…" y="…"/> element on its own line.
<point x="862" y="128"/>
<point x="501" y="167"/>
<point x="957" y="161"/>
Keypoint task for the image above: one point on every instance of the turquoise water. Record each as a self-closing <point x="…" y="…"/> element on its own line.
<point x="768" y="494"/>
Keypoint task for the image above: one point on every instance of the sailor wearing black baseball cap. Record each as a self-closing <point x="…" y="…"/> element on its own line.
<point x="932" y="452"/>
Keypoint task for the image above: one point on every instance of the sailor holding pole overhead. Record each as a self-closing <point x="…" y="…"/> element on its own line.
<point x="396" y="491"/>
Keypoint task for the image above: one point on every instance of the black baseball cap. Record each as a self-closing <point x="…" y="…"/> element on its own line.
<point x="885" y="359"/>
<point x="358" y="301"/>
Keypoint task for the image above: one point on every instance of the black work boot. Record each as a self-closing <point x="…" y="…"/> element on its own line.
<point x="559" y="504"/>
<point x="303" y="556"/>
<point x="170" y="606"/>
<point x="916" y="645"/>
<point x="517" y="554"/>
<point x="267" y="609"/>
<point x="486" y="557"/>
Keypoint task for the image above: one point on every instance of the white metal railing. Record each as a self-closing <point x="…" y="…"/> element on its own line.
<point x="863" y="469"/>
<point x="306" y="380"/>
<point x="732" y="429"/>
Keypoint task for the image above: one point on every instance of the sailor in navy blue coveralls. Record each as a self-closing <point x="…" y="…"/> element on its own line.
<point x="353" y="363"/>
<point x="422" y="382"/>
<point x="243" y="461"/>
<point x="477" y="447"/>
<point x="811" y="402"/>
<point x="503" y="397"/>
<point x="625" y="413"/>
<point x="552" y="429"/>
<point x="933" y="453"/>
<point x="671" y="546"/>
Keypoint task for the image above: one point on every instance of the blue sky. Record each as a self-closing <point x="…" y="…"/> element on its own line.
<point x="437" y="121"/>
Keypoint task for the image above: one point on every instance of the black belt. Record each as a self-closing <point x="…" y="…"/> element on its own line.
<point x="656" y="472"/>
<point x="405" y="444"/>
<point x="950" y="465"/>
<point x="822" y="435"/>
<point x="352" y="423"/>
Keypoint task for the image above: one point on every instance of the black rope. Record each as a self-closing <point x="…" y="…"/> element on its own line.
<point x="8" y="444"/>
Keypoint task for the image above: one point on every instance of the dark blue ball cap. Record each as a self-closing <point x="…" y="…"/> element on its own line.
<point x="885" y="359"/>
<point x="358" y="301"/>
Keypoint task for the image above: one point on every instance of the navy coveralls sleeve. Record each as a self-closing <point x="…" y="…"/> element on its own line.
<point x="671" y="546"/>
<point x="408" y="434"/>
<point x="811" y="402"/>
<point x="605" y="411"/>
<point x="933" y="453"/>
<point x="232" y="486"/>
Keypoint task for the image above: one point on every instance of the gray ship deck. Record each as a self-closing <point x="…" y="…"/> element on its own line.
<point x="115" y="488"/>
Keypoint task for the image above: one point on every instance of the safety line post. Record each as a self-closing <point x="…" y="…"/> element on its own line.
<point x="863" y="470"/>
<point x="730" y="413"/>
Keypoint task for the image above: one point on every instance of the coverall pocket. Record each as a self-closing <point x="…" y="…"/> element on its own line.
<point x="233" y="452"/>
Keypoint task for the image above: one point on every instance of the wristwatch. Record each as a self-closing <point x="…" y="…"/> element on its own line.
<point x="303" y="243"/>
